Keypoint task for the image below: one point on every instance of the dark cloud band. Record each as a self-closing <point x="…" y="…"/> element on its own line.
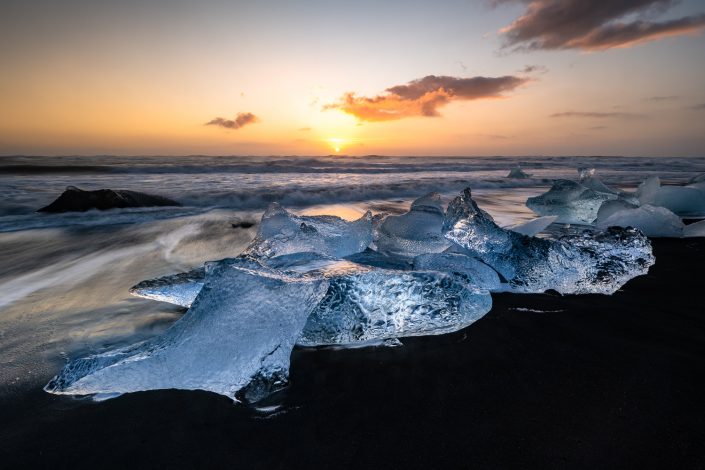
<point x="593" y="25"/>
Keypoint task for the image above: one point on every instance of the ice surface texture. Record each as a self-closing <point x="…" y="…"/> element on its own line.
<point x="282" y="233"/>
<point x="369" y="304"/>
<point x="238" y="334"/>
<point x="570" y="201"/>
<point x="577" y="202"/>
<point x="415" y="232"/>
<point x="684" y="201"/>
<point x="588" y="263"/>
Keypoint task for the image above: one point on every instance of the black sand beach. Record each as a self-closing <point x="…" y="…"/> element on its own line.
<point x="588" y="382"/>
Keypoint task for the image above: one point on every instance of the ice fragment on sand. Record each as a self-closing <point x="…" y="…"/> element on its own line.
<point x="570" y="201"/>
<point x="652" y="221"/>
<point x="684" y="201"/>
<point x="534" y="226"/>
<point x="585" y="263"/>
<point x="415" y="232"/>
<point x="282" y="233"/>
<point x="238" y="335"/>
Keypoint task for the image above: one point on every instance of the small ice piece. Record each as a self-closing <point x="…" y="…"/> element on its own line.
<point x="586" y="177"/>
<point x="518" y="173"/>
<point x="695" y="230"/>
<point x="610" y="207"/>
<point x="571" y="202"/>
<point x="684" y="201"/>
<point x="575" y="264"/>
<point x="415" y="232"/>
<point x="652" y="221"/>
<point x="475" y="271"/>
<point x="381" y="304"/>
<point x="534" y="226"/>
<point x="282" y="233"/>
<point x="179" y="289"/>
<point x="237" y="337"/>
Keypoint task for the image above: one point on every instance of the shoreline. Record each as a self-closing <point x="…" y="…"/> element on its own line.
<point x="606" y="381"/>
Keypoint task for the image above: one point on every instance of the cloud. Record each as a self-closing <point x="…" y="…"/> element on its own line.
<point x="595" y="115"/>
<point x="698" y="107"/>
<point x="593" y="25"/>
<point x="304" y="129"/>
<point x="424" y="97"/>
<point x="534" y="69"/>
<point x="241" y="120"/>
<point x="658" y="99"/>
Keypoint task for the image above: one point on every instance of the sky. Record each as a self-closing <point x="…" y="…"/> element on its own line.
<point x="414" y="77"/>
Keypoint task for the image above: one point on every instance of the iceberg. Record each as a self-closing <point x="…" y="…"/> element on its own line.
<point x="684" y="201"/>
<point x="573" y="264"/>
<point x="415" y="232"/>
<point x="571" y="202"/>
<point x="281" y="233"/>
<point x="586" y="177"/>
<point x="235" y="340"/>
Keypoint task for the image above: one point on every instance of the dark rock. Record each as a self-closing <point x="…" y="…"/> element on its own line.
<point x="78" y="200"/>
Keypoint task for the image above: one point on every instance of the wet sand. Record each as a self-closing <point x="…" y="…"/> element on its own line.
<point x="541" y="381"/>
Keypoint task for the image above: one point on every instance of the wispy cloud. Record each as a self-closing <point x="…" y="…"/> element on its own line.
<point x="241" y="120"/>
<point x="660" y="99"/>
<point x="596" y="115"/>
<point x="424" y="97"/>
<point x="534" y="69"/>
<point x="698" y="107"/>
<point x="593" y="25"/>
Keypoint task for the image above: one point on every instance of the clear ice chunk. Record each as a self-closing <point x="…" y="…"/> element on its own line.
<point x="365" y="304"/>
<point x="473" y="270"/>
<point x="178" y="289"/>
<point x="534" y="226"/>
<point x="652" y="221"/>
<point x="574" y="264"/>
<point x="683" y="201"/>
<point x="695" y="230"/>
<point x="236" y="337"/>
<point x="282" y="233"/>
<point x="571" y="202"/>
<point x="587" y="177"/>
<point x="415" y="232"/>
<point x="382" y="304"/>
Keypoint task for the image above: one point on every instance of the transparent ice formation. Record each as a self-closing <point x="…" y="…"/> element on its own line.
<point x="364" y="303"/>
<point x="534" y="226"/>
<point x="684" y="201"/>
<point x="415" y="232"/>
<point x="587" y="177"/>
<point x="236" y="337"/>
<point x="571" y="202"/>
<point x="475" y="271"/>
<point x="179" y="289"/>
<point x="282" y="233"/>
<point x="576" y="264"/>
<point x="383" y="304"/>
<point x="652" y="221"/>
